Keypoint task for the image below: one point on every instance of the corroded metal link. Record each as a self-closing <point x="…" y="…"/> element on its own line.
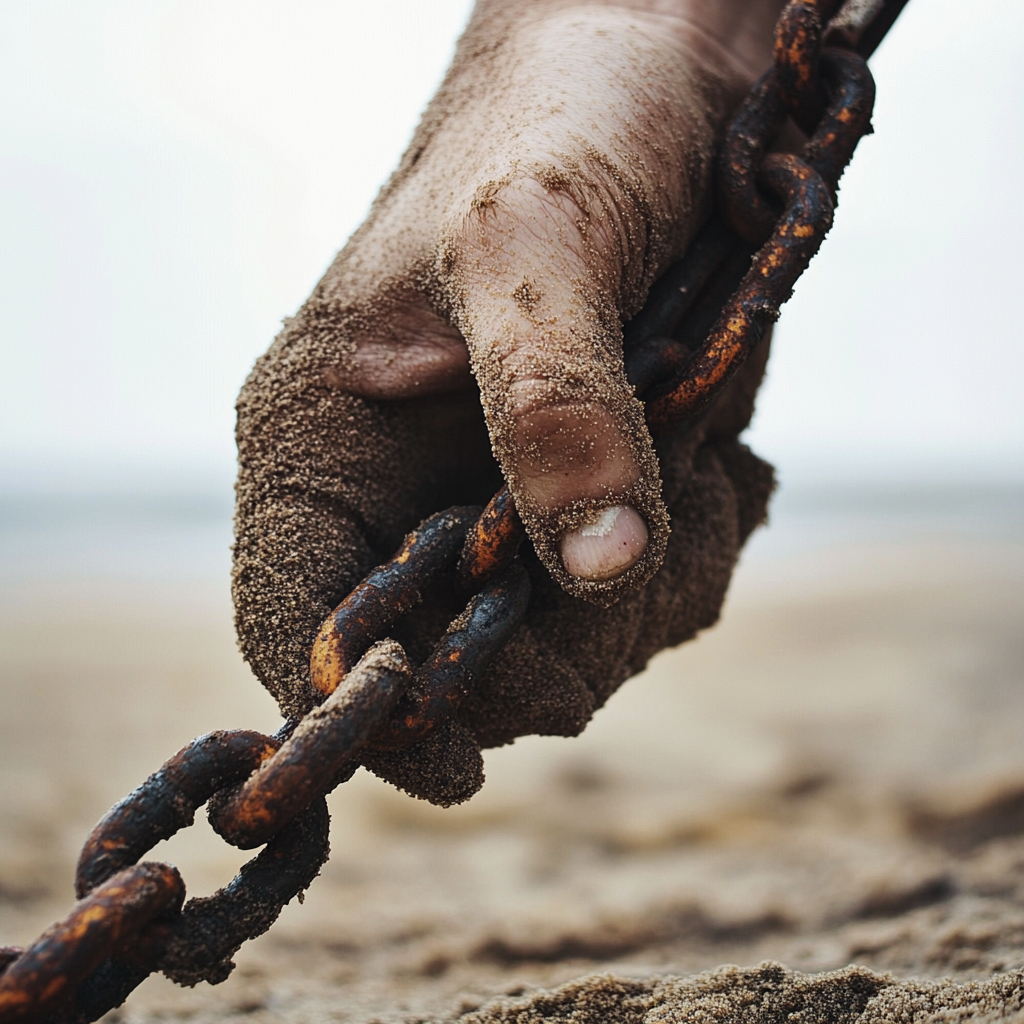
<point x="210" y="928"/>
<point x="492" y="542"/>
<point x="797" y="47"/>
<point x="49" y="972"/>
<point x="167" y="801"/>
<point x="198" y="944"/>
<point x="654" y="361"/>
<point x="847" y="118"/>
<point x="796" y="237"/>
<point x="464" y="653"/>
<point x="709" y="272"/>
<point x="307" y="764"/>
<point x="747" y="139"/>
<point x="358" y="710"/>
<point x="768" y="284"/>
<point x="673" y="294"/>
<point x="694" y="332"/>
<point x="392" y="589"/>
<point x="652" y="364"/>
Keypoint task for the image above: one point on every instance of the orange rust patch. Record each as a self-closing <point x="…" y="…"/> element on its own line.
<point x="325" y="662"/>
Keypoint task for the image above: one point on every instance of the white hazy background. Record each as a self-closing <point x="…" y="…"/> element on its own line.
<point x="176" y="176"/>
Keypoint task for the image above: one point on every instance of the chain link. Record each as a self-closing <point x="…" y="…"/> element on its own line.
<point x="702" y="319"/>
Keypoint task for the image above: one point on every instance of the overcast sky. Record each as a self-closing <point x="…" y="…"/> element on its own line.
<point x="175" y="177"/>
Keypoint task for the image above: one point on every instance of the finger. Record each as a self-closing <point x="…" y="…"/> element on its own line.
<point x="328" y="485"/>
<point x="406" y="351"/>
<point x="532" y="286"/>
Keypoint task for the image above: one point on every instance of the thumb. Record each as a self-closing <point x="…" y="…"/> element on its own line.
<point x="532" y="281"/>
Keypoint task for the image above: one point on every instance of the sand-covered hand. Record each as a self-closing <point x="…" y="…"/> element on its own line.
<point x="471" y="331"/>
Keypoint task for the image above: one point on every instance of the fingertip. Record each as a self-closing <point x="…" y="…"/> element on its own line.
<point x="606" y="546"/>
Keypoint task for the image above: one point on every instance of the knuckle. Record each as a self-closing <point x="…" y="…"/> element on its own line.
<point x="549" y="209"/>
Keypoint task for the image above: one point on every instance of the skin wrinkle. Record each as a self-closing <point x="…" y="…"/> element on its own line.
<point x="433" y="357"/>
<point x="362" y="419"/>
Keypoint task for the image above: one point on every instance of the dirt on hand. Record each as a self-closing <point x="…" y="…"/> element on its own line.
<point x="351" y="430"/>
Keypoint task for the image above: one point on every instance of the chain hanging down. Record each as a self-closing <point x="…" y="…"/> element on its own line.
<point x="704" y="316"/>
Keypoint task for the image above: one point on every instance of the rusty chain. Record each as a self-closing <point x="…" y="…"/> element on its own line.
<point x="702" y="318"/>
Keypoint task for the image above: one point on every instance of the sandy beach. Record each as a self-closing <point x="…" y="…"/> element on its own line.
<point x="833" y="775"/>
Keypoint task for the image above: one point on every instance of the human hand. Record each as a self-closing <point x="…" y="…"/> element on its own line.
<point x="565" y="162"/>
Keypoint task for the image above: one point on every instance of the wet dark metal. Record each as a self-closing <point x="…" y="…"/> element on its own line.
<point x="49" y="972"/>
<point x="702" y="318"/>
<point x="492" y="542"/>
<point x="357" y="710"/>
<point x="661" y="339"/>
<point x="750" y="213"/>
<point x="674" y="293"/>
<point x="752" y="186"/>
<point x="308" y="762"/>
<point x="198" y="945"/>
<point x="766" y="286"/>
<point x="465" y="652"/>
<point x="392" y="589"/>
<point x="797" y="48"/>
<point x="848" y="116"/>
<point x="655" y="360"/>
<point x="167" y="802"/>
<point x="720" y="268"/>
